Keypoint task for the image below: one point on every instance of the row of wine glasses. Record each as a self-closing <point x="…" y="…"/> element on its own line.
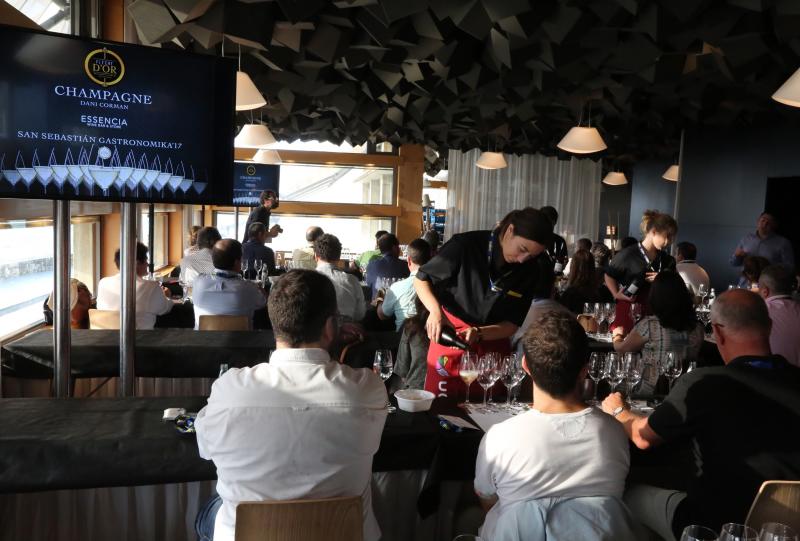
<point x="616" y="368"/>
<point x="385" y="282"/>
<point x="488" y="369"/>
<point x="770" y="531"/>
<point x="258" y="265"/>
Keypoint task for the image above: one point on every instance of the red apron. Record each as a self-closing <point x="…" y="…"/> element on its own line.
<point x="623" y="316"/>
<point x="442" y="377"/>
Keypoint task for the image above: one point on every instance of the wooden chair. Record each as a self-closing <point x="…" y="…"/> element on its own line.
<point x="334" y="519"/>
<point x="776" y="501"/>
<point x="224" y="323"/>
<point x="103" y="319"/>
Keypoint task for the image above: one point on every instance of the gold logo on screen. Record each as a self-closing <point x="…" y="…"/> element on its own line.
<point x="104" y="67"/>
<point x="251" y="170"/>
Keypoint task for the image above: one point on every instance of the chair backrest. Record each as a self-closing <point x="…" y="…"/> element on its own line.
<point x="334" y="519"/>
<point x="103" y="319"/>
<point x="224" y="323"/>
<point x="776" y="501"/>
<point x="588" y="322"/>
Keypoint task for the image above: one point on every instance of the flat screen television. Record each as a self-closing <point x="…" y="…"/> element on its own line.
<point x="250" y="179"/>
<point x="102" y="121"/>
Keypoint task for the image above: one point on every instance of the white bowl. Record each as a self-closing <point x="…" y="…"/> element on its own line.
<point x="414" y="400"/>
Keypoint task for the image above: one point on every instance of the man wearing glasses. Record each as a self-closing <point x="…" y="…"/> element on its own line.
<point x="740" y="420"/>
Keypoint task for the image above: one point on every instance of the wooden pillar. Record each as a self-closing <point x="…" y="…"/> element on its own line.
<point x="409" y="192"/>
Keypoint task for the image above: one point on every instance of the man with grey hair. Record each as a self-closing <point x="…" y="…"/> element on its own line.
<point x="754" y="394"/>
<point x="775" y="285"/>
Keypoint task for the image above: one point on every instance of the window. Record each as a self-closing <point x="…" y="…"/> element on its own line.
<point x="318" y="146"/>
<point x="50" y="15"/>
<point x="337" y="184"/>
<point x="158" y="252"/>
<point x="26" y="272"/>
<point x="356" y="234"/>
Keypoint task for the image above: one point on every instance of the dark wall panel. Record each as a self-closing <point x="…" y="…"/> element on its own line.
<point x="615" y="207"/>
<point x="650" y="191"/>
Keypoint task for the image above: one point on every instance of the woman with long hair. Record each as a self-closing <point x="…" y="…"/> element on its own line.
<point x="481" y="283"/>
<point x="630" y="273"/>
<point x="582" y="283"/>
<point x="672" y="327"/>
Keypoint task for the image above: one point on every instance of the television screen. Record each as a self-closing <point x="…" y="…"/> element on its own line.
<point x="250" y="179"/>
<point x="103" y="121"/>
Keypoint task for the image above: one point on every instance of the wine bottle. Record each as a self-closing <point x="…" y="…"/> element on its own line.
<point x="449" y="338"/>
<point x="634" y="286"/>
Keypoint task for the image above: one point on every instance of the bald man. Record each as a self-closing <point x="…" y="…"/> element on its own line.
<point x="739" y="419"/>
<point x="303" y="258"/>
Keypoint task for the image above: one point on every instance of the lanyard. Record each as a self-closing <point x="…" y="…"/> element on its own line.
<point x="227" y="274"/>
<point x="494" y="285"/>
<point x="647" y="259"/>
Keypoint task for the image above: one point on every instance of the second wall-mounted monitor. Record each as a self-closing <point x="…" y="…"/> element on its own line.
<point x="250" y="179"/>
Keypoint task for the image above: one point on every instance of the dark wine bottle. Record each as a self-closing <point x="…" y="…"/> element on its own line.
<point x="634" y="286"/>
<point x="449" y="338"/>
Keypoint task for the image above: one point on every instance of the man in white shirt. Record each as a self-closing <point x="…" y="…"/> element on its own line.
<point x="561" y="448"/>
<point x="226" y="293"/>
<point x="199" y="262"/>
<point x="303" y="258"/>
<point x="299" y="427"/>
<point x="401" y="297"/>
<point x="349" y="295"/>
<point x="151" y="299"/>
<point x="693" y="274"/>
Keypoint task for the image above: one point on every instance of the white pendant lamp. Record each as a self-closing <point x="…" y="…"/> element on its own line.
<point x="247" y="95"/>
<point x="253" y="136"/>
<point x="491" y="160"/>
<point x="789" y="92"/>
<point x="266" y="156"/>
<point x="672" y="173"/>
<point x="615" y="178"/>
<point x="582" y="140"/>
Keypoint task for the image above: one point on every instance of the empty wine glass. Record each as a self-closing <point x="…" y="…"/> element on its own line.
<point x="636" y="312"/>
<point x="507" y="376"/>
<point x="587" y="308"/>
<point x="673" y="366"/>
<point x="614" y="370"/>
<point x="383" y="365"/>
<point x="468" y="371"/>
<point x="487" y="375"/>
<point x="611" y="314"/>
<point x="775" y="531"/>
<point x="698" y="533"/>
<point x="702" y="292"/>
<point x="596" y="367"/>
<point x="245" y="267"/>
<point x="737" y="532"/>
<point x="633" y="371"/>
<point x="258" y="264"/>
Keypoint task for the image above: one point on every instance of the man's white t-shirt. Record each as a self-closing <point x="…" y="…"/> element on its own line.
<point x="150" y="299"/>
<point x="538" y="455"/>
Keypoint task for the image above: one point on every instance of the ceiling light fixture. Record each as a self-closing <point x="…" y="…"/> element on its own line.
<point x="268" y="157"/>
<point x="247" y="94"/>
<point x="615" y="178"/>
<point x="491" y="160"/>
<point x="789" y="92"/>
<point x="672" y="173"/>
<point x="253" y="136"/>
<point x="582" y="139"/>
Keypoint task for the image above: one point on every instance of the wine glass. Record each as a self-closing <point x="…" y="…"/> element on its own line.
<point x="611" y="315"/>
<point x="486" y="375"/>
<point x="258" y="264"/>
<point x="587" y="308"/>
<point x="775" y="531"/>
<point x="184" y="290"/>
<point x="596" y="367"/>
<point x="468" y="371"/>
<point x="614" y="370"/>
<point x="702" y="292"/>
<point x="698" y="533"/>
<point x="383" y="365"/>
<point x="245" y="267"/>
<point x="737" y="532"/>
<point x="600" y="316"/>
<point x="633" y="371"/>
<point x="636" y="312"/>
<point x="673" y="366"/>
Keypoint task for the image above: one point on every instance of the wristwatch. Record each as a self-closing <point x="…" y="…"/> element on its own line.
<point x="617" y="411"/>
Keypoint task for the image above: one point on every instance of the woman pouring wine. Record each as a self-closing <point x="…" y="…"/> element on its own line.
<point x="481" y="284"/>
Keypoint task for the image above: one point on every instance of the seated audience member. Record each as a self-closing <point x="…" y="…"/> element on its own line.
<point x="693" y="274"/>
<point x="199" y="262"/>
<point x="389" y="265"/>
<point x="254" y="249"/>
<point x="151" y="299"/>
<point x="738" y="420"/>
<point x="370" y="255"/>
<point x="192" y="240"/>
<point x="561" y="449"/>
<point x="226" y="293"/>
<point x="543" y="303"/>
<point x="432" y="238"/>
<point x="581" y="244"/>
<point x="602" y="256"/>
<point x="303" y="258"/>
<point x="401" y="296"/>
<point x="80" y="300"/>
<point x="775" y="285"/>
<point x="672" y="327"/>
<point x="627" y="241"/>
<point x="583" y="283"/>
<point x="412" y="351"/>
<point x="299" y="427"/>
<point x="751" y="271"/>
<point x="349" y="295"/>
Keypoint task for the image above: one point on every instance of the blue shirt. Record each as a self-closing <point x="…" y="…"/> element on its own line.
<point x="388" y="266"/>
<point x="401" y="300"/>
<point x="775" y="248"/>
